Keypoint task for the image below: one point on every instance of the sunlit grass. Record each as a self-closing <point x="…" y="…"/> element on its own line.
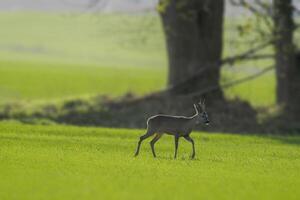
<point x="65" y="162"/>
<point x="42" y="81"/>
<point x="259" y="91"/>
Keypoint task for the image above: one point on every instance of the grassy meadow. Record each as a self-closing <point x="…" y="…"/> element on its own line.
<point x="46" y="56"/>
<point x="32" y="81"/>
<point x="56" y="56"/>
<point x="66" y="162"/>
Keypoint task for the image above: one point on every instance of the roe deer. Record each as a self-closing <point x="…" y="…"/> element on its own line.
<point x="179" y="126"/>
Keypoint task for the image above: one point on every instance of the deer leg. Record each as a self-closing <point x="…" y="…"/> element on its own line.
<point x="153" y="141"/>
<point x="176" y="145"/>
<point x="143" y="137"/>
<point x="188" y="138"/>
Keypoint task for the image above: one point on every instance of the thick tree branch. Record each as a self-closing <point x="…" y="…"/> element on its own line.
<point x="196" y="95"/>
<point x="248" y="54"/>
<point x="230" y="60"/>
<point x="232" y="83"/>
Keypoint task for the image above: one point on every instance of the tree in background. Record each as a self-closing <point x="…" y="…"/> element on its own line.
<point x="287" y="70"/>
<point x="279" y="28"/>
<point x="193" y="31"/>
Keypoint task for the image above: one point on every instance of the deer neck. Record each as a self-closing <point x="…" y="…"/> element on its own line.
<point x="193" y="121"/>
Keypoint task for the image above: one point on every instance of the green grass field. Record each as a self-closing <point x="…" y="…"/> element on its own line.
<point x="66" y="162"/>
<point x="60" y="56"/>
<point x="32" y="81"/>
<point x="46" y="57"/>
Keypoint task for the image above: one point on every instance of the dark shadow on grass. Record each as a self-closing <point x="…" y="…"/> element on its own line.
<point x="233" y="117"/>
<point x="131" y="112"/>
<point x="287" y="139"/>
<point x="171" y="158"/>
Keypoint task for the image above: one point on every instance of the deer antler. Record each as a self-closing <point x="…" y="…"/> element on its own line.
<point x="195" y="106"/>
<point x="202" y="104"/>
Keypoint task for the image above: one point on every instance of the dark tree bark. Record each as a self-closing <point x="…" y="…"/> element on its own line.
<point x="287" y="69"/>
<point x="193" y="30"/>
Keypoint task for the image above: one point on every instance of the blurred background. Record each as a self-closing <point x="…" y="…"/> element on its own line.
<point x="79" y="78"/>
<point x="85" y="62"/>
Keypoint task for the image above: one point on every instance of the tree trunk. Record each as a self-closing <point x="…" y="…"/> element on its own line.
<point x="287" y="69"/>
<point x="193" y="30"/>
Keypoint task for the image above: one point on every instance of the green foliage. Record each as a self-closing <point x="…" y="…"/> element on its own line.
<point x="245" y="28"/>
<point x="65" y="162"/>
<point x="162" y="6"/>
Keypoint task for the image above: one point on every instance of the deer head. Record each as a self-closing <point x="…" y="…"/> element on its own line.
<point x="203" y="114"/>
